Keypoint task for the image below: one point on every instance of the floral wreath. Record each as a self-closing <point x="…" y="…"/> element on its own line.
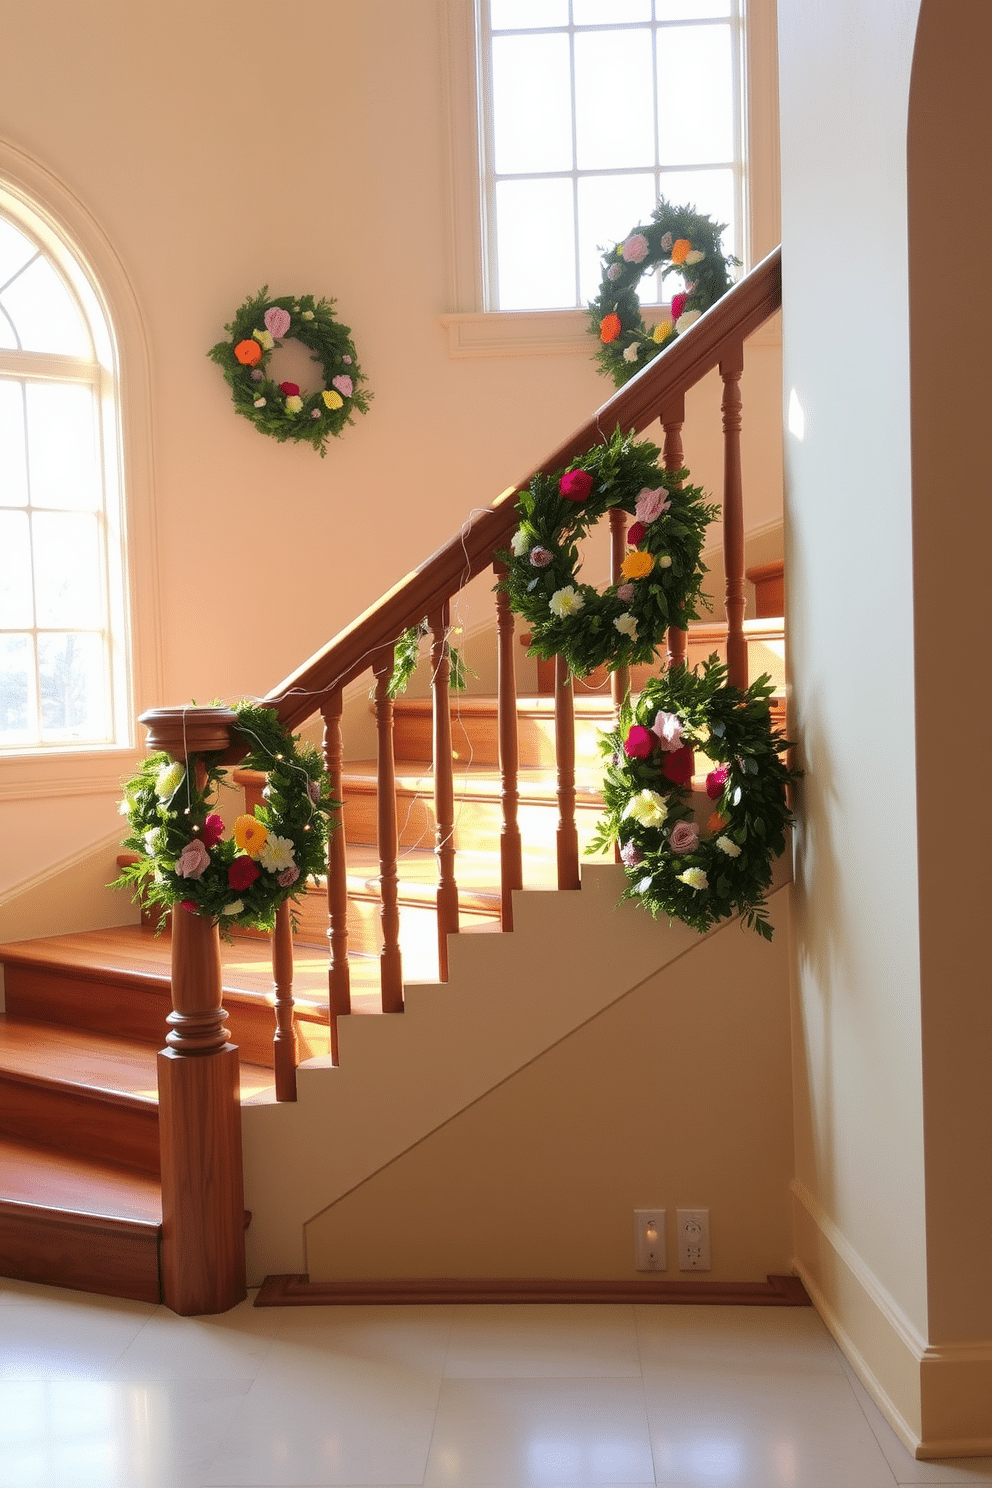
<point x="697" y="874"/>
<point x="240" y="879"/>
<point x="280" y="409"/>
<point x="679" y="241"/>
<point x="660" y="576"/>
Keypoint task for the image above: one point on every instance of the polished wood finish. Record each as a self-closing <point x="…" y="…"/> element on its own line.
<point x="444" y="788"/>
<point x="300" y="1291"/>
<point x="196" y="1023"/>
<point x="769" y="589"/>
<point x="731" y="367"/>
<point x="284" y="1050"/>
<point x="567" y="837"/>
<point x="339" y="976"/>
<point x="390" y="960"/>
<point x="185" y="731"/>
<point x="620" y="679"/>
<point x="508" y="755"/>
<point x="673" y="458"/>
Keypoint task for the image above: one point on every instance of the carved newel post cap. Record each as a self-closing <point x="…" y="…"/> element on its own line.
<point x="185" y="731"/>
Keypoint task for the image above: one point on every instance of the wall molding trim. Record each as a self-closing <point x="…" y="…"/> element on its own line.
<point x="300" y="1291"/>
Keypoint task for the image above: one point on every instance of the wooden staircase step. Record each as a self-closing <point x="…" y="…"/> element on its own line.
<point x="474" y="731"/>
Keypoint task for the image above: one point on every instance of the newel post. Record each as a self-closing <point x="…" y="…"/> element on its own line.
<point x="203" y="1207"/>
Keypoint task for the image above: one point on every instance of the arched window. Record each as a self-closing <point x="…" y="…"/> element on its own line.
<point x="64" y="674"/>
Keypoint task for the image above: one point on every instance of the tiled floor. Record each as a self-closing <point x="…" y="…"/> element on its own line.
<point x="96" y="1393"/>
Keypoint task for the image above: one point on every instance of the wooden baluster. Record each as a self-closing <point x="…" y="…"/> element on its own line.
<point x="284" y="1042"/>
<point x="672" y="419"/>
<point x="339" y="975"/>
<point x="390" y="960"/>
<point x="620" y="679"/>
<point x="731" y="367"/>
<point x="568" y="837"/>
<point x="444" y="789"/>
<point x="510" y="846"/>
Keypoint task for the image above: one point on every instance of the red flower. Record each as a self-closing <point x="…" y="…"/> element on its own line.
<point x="289" y="388"/>
<point x="678" y="766"/>
<point x="639" y="743"/>
<point x="678" y="305"/>
<point x="575" y="485"/>
<point x="635" y="534"/>
<point x="715" y="781"/>
<point x="189" y="905"/>
<point x="242" y="873"/>
<point x="213" y="830"/>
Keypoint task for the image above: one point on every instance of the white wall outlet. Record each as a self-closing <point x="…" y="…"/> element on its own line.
<point x="694" y="1239"/>
<point x="649" y="1240"/>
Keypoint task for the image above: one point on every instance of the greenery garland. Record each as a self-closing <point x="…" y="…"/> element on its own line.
<point x="697" y="874"/>
<point x="661" y="574"/>
<point x="243" y="878"/>
<point x="280" y="409"/>
<point x="678" y="241"/>
<point x="406" y="655"/>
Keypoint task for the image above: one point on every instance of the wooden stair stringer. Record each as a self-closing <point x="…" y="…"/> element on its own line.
<point x="508" y="999"/>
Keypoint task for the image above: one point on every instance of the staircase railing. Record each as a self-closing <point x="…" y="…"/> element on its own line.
<point x="657" y="392"/>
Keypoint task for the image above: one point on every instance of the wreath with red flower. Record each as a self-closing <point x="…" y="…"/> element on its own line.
<point x="280" y="409"/>
<point x="185" y="856"/>
<point x="660" y="576"/>
<point x="698" y="871"/>
<point x="678" y="240"/>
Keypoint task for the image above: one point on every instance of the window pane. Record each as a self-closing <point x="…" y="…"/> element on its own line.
<point x="67" y="569"/>
<point x="711" y="194"/>
<point x="45" y="314"/>
<point x="15" y="575"/>
<point x="691" y="10"/>
<point x="695" y="95"/>
<point x="515" y="15"/>
<point x="62" y="446"/>
<point x="17" y="709"/>
<point x="73" y="687"/>
<point x="13" y="467"/>
<point x="15" y="251"/>
<point x="609" y="207"/>
<point x="609" y="12"/>
<point x="532" y="104"/>
<point x="612" y="66"/>
<point x="8" y="337"/>
<point x="535" y="244"/>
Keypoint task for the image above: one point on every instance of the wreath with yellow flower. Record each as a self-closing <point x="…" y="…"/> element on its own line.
<point x="186" y="858"/>
<point x="678" y="241"/>
<point x="661" y="574"/>
<point x="280" y="409"/>
<point x="697" y="870"/>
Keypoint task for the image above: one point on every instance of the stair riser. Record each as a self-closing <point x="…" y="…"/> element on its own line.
<point x="115" y="1260"/>
<point x="418" y="928"/>
<point x="478" y="823"/>
<point x="475" y="740"/>
<point x="70" y="1120"/>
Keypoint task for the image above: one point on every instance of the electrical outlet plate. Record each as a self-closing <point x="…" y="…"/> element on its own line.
<point x="649" y="1240"/>
<point x="694" y="1239"/>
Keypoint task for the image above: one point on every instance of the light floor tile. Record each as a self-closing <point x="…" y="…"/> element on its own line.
<point x="97" y="1434"/>
<point x="230" y="1345"/>
<point x="553" y="1341"/>
<point x="530" y="1433"/>
<point x="906" y="1468"/>
<point x="31" y="1294"/>
<point x="790" y="1338"/>
<point x="49" y="1340"/>
<point x="408" y="1338"/>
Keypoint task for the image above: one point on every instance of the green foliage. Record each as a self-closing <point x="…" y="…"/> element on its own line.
<point x="710" y="278"/>
<point x="406" y="654"/>
<point x="669" y="595"/>
<point x="168" y="810"/>
<point x="312" y="322"/>
<point x="734" y="730"/>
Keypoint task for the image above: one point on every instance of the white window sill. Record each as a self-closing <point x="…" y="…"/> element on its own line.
<point x="549" y="332"/>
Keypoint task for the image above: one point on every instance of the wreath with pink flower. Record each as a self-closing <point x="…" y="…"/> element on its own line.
<point x="693" y="857"/>
<point x="677" y="240"/>
<point x="661" y="574"/>
<point x="281" y="409"/>
<point x="186" y="856"/>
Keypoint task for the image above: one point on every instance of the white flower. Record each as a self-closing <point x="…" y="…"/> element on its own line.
<point x="264" y="339"/>
<point x="259" y="402"/>
<point x="686" y="319"/>
<point x="277" y="854"/>
<point x="626" y="624"/>
<point x="730" y="848"/>
<point x="152" y="840"/>
<point x="124" y="808"/>
<point x="694" y="877"/>
<point x="664" y="561"/>
<point x="694" y="256"/>
<point x="519" y="543"/>
<point x="630" y="355"/>
<point x="168" y="780"/>
<point x="233" y="909"/>
<point x="647" y="807"/>
<point x="565" y="602"/>
<point x="308" y="315"/>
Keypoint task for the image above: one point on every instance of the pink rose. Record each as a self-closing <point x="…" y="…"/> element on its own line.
<point x="276" y="321"/>
<point x="193" y="860"/>
<point x="314" y="791"/>
<point x="651" y="505"/>
<point x="678" y="305"/>
<point x="635" y="249"/>
<point x="213" y="830"/>
<point x="288" y="876"/>
<point x="679" y="767"/>
<point x="629" y="855"/>
<point x="684" y="837"/>
<point x="242" y="873"/>
<point x="540" y="557"/>
<point x="715" y="782"/>
<point x="667" y="241"/>
<point x="346" y="360"/>
<point x="344" y="384"/>
<point x="575" y="485"/>
<point x="189" y="905"/>
<point x="636" y="533"/>
<point x="668" y="727"/>
<point x="638" y="743"/>
<point x="625" y="593"/>
<point x="614" y="271"/>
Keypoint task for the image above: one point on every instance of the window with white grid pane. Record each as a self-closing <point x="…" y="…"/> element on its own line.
<point x="62" y="629"/>
<point x="591" y="111"/>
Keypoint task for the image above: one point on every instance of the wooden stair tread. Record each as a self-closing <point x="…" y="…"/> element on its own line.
<point x="57" y="1183"/>
<point x="477" y="873"/>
